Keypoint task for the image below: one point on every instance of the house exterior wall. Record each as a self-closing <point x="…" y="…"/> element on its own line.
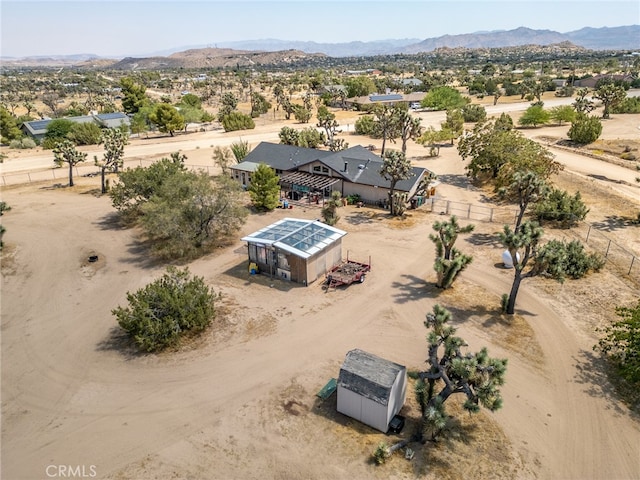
<point x="398" y="396"/>
<point x="288" y="266"/>
<point x="319" y="264"/>
<point x="367" y="193"/>
<point x="362" y="409"/>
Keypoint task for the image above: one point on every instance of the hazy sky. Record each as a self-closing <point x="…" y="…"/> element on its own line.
<point x="120" y="28"/>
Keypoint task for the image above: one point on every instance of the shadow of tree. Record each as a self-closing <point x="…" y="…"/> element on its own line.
<point x="414" y="288"/>
<point x="593" y="372"/>
<point x="363" y="217"/>
<point x="457" y="180"/>
<point x="484" y="239"/>
<point x="120" y="341"/>
<point x="612" y="223"/>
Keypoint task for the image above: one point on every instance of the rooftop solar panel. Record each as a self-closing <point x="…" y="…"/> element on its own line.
<point x="385" y="98"/>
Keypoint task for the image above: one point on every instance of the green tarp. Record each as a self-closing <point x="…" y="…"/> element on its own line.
<point x="328" y="389"/>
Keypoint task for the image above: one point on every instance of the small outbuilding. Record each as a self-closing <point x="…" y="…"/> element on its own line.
<point x="295" y="249"/>
<point x="371" y="389"/>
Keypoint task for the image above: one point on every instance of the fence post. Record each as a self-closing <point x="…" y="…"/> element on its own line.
<point x="607" y="252"/>
<point x="631" y="266"/>
<point x="447" y="210"/>
<point x="29" y="177"/>
<point x="469" y="211"/>
<point x="491" y="216"/>
<point x="586" y="240"/>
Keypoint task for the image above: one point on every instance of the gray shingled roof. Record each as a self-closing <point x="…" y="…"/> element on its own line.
<point x="363" y="166"/>
<point x="369" y="375"/>
<point x="284" y="157"/>
<point x="109" y="120"/>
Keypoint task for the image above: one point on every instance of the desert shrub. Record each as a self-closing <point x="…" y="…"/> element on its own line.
<point x="561" y="207"/>
<point x="23" y="143"/>
<point x="569" y="258"/>
<point x="627" y="105"/>
<point x="160" y="313"/>
<point x="310" y="138"/>
<point x="381" y="453"/>
<point x="365" y="125"/>
<point x="621" y="343"/>
<point x="586" y="129"/>
<point x="474" y="113"/>
<point x="237" y="121"/>
<point x="57" y="131"/>
<point x="85" y="134"/>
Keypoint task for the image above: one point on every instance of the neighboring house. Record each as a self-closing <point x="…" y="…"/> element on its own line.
<point x="37" y="129"/>
<point x="387" y="98"/>
<point x="371" y="389"/>
<point x="311" y="173"/>
<point x="295" y="249"/>
<point x="591" y="82"/>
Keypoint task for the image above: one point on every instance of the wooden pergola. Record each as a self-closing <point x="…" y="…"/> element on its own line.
<point x="310" y="181"/>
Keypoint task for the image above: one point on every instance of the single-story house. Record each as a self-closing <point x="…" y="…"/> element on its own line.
<point x="371" y="389"/>
<point x="37" y="129"/>
<point x="295" y="249"/>
<point x="308" y="172"/>
<point x="590" y="82"/>
<point x="387" y="98"/>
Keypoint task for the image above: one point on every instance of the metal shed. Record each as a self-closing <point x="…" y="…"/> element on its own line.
<point x="295" y="249"/>
<point x="371" y="389"/>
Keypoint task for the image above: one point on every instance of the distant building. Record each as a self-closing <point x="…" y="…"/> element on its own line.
<point x="371" y="389"/>
<point x="37" y="129"/>
<point x="387" y="98"/>
<point x="591" y="82"/>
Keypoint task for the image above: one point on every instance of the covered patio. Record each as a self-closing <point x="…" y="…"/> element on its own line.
<point x="310" y="186"/>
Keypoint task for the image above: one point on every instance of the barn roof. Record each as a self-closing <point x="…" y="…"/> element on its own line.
<point x="369" y="375"/>
<point x="303" y="238"/>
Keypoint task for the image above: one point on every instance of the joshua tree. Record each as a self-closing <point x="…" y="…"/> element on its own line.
<point x="449" y="260"/>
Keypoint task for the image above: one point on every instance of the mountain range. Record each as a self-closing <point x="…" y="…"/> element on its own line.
<point x="605" y="38"/>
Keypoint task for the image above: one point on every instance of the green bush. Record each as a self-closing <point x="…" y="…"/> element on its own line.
<point x="560" y="207"/>
<point x="163" y="311"/>
<point x="628" y="105"/>
<point x="237" y="121"/>
<point x="621" y="344"/>
<point x="23" y="143"/>
<point x="381" y="453"/>
<point x="365" y="125"/>
<point x="586" y="129"/>
<point x="85" y="134"/>
<point x="474" y="113"/>
<point x="568" y="258"/>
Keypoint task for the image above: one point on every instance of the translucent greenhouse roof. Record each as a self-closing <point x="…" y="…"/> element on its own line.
<point x="303" y="238"/>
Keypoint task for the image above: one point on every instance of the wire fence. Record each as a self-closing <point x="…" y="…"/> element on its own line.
<point x="82" y="170"/>
<point x="616" y="255"/>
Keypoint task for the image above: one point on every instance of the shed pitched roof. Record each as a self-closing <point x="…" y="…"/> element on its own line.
<point x="369" y="375"/>
<point x="303" y="238"/>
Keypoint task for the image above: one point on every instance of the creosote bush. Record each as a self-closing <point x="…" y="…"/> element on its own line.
<point x="164" y="310"/>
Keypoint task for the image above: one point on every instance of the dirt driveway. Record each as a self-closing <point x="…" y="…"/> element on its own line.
<point x="240" y="403"/>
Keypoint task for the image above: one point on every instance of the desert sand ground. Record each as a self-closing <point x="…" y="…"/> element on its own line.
<point x="239" y="403"/>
